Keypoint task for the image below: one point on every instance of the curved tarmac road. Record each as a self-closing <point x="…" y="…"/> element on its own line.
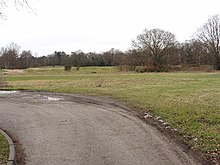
<point x="62" y="129"/>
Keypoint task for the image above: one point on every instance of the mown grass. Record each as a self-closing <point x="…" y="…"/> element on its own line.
<point x="4" y="150"/>
<point x="189" y="101"/>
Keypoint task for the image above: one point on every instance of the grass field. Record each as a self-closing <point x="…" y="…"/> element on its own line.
<point x="189" y="101"/>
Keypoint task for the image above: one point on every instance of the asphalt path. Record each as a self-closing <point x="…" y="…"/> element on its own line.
<point x="62" y="129"/>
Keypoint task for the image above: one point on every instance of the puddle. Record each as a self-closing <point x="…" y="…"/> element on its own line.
<point x="8" y="92"/>
<point x="52" y="98"/>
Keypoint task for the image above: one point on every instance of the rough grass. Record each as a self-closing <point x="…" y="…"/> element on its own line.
<point x="4" y="150"/>
<point x="189" y="101"/>
<point x="2" y="81"/>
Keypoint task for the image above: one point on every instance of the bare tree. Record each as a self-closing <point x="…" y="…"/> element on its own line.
<point x="25" y="59"/>
<point x="134" y="58"/>
<point x="209" y="35"/>
<point x="9" y="56"/>
<point x="155" y="43"/>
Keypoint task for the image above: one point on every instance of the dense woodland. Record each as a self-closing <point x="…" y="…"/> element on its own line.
<point x="154" y="50"/>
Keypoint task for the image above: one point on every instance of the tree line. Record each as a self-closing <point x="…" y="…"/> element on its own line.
<point x="154" y="50"/>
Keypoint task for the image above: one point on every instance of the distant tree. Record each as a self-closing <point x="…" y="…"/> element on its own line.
<point x="209" y="35"/>
<point x="42" y="61"/>
<point x="59" y="57"/>
<point x="188" y="56"/>
<point x="117" y="57"/>
<point x="78" y="59"/>
<point x="134" y="58"/>
<point x="194" y="53"/>
<point x="112" y="57"/>
<point x="100" y="60"/>
<point x="9" y="56"/>
<point x="92" y="59"/>
<point x="108" y="57"/>
<point x="155" y="43"/>
<point x="25" y="59"/>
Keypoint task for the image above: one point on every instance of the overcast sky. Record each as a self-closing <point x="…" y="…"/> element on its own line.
<point x="99" y="25"/>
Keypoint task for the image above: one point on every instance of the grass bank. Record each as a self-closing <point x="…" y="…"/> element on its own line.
<point x="4" y="150"/>
<point x="189" y="101"/>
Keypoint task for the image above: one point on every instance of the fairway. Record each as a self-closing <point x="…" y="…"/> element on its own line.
<point x="189" y="101"/>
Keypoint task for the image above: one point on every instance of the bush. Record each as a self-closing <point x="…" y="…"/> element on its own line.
<point x="126" y="68"/>
<point x="67" y="67"/>
<point x="77" y="68"/>
<point x="140" y="69"/>
<point x="156" y="69"/>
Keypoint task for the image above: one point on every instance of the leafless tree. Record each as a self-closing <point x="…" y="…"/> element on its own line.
<point x="25" y="59"/>
<point x="155" y="43"/>
<point x="9" y="55"/>
<point x="209" y="35"/>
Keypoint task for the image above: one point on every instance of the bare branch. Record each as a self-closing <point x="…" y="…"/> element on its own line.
<point x="15" y="3"/>
<point x="209" y="35"/>
<point x="155" y="43"/>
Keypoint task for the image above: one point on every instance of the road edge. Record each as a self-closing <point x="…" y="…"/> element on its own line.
<point x="12" y="155"/>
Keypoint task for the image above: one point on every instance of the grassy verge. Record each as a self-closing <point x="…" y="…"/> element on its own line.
<point x="4" y="150"/>
<point x="189" y="101"/>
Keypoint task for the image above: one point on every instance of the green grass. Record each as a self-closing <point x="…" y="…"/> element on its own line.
<point x="189" y="101"/>
<point x="4" y="150"/>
